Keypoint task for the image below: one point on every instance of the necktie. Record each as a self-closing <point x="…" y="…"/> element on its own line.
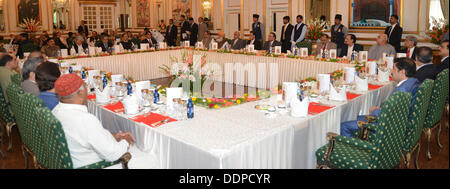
<point x="324" y="47"/>
<point x="407" y="54"/>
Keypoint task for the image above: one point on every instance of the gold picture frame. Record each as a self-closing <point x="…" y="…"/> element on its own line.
<point x="39" y="14"/>
<point x="350" y="20"/>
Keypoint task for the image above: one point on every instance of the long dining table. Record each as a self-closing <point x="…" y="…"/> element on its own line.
<point x="237" y="137"/>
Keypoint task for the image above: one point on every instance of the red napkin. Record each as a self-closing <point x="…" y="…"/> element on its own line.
<point x="374" y="87"/>
<point x="115" y="107"/>
<point x="315" y="108"/>
<point x="351" y="96"/>
<point x="390" y="78"/>
<point x="91" y="97"/>
<point x="152" y="118"/>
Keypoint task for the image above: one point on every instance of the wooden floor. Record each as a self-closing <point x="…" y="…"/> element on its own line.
<point x="15" y="159"/>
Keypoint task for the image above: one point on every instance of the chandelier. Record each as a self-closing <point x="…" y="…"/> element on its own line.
<point x="61" y="2"/>
<point x="206" y="4"/>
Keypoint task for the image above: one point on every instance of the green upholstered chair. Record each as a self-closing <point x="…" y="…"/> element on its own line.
<point x="415" y="124"/>
<point x="384" y="152"/>
<point x="57" y="154"/>
<point x="7" y="117"/>
<point x="439" y="97"/>
<point x="16" y="79"/>
<point x="15" y="95"/>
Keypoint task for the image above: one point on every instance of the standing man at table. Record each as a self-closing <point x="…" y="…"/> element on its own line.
<point x="257" y="28"/>
<point x="172" y="33"/>
<point x="202" y="28"/>
<point x="83" y="29"/>
<point x="394" y="33"/>
<point x="300" y="30"/>
<point x="193" y="32"/>
<point x="286" y="34"/>
<point x="404" y="74"/>
<point x="443" y="52"/>
<point x="88" y="141"/>
<point x="338" y="33"/>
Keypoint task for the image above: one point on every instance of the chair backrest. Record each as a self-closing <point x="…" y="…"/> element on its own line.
<point x="29" y="103"/>
<point x="438" y="99"/>
<point x="14" y="93"/>
<point x="391" y="129"/>
<point x="16" y="79"/>
<point x="418" y="114"/>
<point x="56" y="148"/>
<point x="5" y="112"/>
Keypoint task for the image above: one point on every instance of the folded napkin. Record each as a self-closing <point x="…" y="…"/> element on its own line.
<point x="118" y="107"/>
<point x="316" y="108"/>
<point x="289" y="92"/>
<point x="383" y="76"/>
<point x="299" y="109"/>
<point x="351" y="96"/>
<point x="361" y="84"/>
<point x="131" y="104"/>
<point x="374" y="87"/>
<point x="103" y="96"/>
<point x="151" y="119"/>
<point x="337" y="96"/>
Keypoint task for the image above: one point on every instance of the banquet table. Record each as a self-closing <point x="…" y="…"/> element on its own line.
<point x="262" y="72"/>
<point x="240" y="137"/>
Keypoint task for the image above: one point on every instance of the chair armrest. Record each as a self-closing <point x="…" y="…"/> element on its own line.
<point x="331" y="137"/>
<point x="124" y="159"/>
<point x="364" y="145"/>
<point x="371" y="119"/>
<point x="365" y="129"/>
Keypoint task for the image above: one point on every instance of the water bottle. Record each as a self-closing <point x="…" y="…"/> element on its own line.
<point x="323" y="54"/>
<point x="270" y="50"/>
<point x="105" y="81"/>
<point x="83" y="74"/>
<point x="70" y="70"/>
<point x="353" y="56"/>
<point x="190" y="109"/>
<point x="129" y="89"/>
<point x="156" y="96"/>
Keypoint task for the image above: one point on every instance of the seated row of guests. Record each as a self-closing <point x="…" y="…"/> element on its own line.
<point x="409" y="74"/>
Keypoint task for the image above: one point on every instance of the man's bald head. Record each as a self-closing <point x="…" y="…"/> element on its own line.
<point x="382" y="39"/>
<point x="237" y="34"/>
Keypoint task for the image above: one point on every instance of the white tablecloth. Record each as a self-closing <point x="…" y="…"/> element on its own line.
<point x="265" y="72"/>
<point x="241" y="137"/>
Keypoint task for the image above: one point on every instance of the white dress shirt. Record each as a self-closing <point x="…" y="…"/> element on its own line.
<point x="350" y="50"/>
<point x="87" y="140"/>
<point x="252" y="42"/>
<point x="401" y="82"/>
<point x="411" y="52"/>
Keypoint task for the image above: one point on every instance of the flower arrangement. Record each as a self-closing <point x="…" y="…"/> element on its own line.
<point x="187" y="69"/>
<point x="440" y="27"/>
<point x="217" y="103"/>
<point x="309" y="79"/>
<point x="360" y="67"/>
<point x="337" y="74"/>
<point x="316" y="27"/>
<point x="29" y="25"/>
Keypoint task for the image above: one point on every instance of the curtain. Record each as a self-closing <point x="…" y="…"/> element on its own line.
<point x="444" y="7"/>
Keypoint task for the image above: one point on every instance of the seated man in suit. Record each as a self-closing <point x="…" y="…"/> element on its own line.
<point x="410" y="47"/>
<point x="350" y="46"/>
<point x="271" y="43"/>
<point x="254" y="42"/>
<point x="105" y="44"/>
<point x="382" y="46"/>
<point x="404" y="73"/>
<point x="222" y="41"/>
<point x="79" y="46"/>
<point x="424" y="63"/>
<point x="207" y="39"/>
<point x="325" y="44"/>
<point x="148" y="38"/>
<point x="443" y="52"/>
<point x="237" y="43"/>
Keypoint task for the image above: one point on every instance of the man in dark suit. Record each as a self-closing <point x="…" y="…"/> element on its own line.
<point x="149" y="39"/>
<point x="443" y="52"/>
<point x="83" y="28"/>
<point x="79" y="45"/>
<point x="237" y="43"/>
<point x="23" y="41"/>
<point x="171" y="34"/>
<point x="105" y="44"/>
<point x="350" y="46"/>
<point x="338" y="33"/>
<point x="184" y="28"/>
<point x="424" y="63"/>
<point x="193" y="32"/>
<point x="286" y="33"/>
<point x="271" y="43"/>
<point x="394" y="33"/>
<point x="410" y="47"/>
<point x="254" y="42"/>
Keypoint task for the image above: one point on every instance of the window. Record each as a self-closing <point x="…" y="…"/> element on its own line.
<point x="435" y="11"/>
<point x="98" y="17"/>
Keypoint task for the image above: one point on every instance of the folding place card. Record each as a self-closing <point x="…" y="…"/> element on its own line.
<point x="144" y="46"/>
<point x="333" y="53"/>
<point x="289" y="92"/>
<point x="199" y="45"/>
<point x="303" y="52"/>
<point x="349" y="74"/>
<point x="64" y="53"/>
<point x="389" y="62"/>
<point x="91" y="51"/>
<point x="277" y="50"/>
<point x="372" y="67"/>
<point x="187" y="44"/>
<point x="401" y="55"/>
<point x="363" y="56"/>
<point x="173" y="93"/>
<point x="214" y="46"/>
<point x="251" y="48"/>
<point x="117" y="78"/>
<point x="323" y="82"/>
